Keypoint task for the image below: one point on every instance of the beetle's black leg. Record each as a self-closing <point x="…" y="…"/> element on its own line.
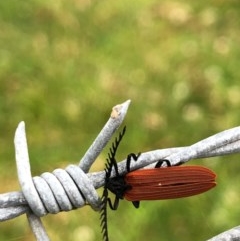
<point x="113" y="206"/>
<point x="160" y="163"/>
<point x="179" y="164"/>
<point x="135" y="158"/>
<point x="114" y="163"/>
<point x="168" y="163"/>
<point x="136" y="204"/>
<point x="130" y="157"/>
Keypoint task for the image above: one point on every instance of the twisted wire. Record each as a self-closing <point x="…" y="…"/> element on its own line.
<point x="61" y="190"/>
<point x="13" y="204"/>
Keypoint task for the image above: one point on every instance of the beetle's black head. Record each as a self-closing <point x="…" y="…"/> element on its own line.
<point x="118" y="186"/>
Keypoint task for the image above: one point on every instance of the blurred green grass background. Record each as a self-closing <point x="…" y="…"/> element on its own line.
<point x="64" y="64"/>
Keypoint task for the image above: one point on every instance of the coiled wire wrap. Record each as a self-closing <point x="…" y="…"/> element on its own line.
<point x="61" y="190"/>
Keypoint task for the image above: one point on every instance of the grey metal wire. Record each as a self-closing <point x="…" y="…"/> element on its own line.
<point x="232" y="234"/>
<point x="61" y="190"/>
<point x="117" y="116"/>
<point x="73" y="187"/>
<point x="37" y="227"/>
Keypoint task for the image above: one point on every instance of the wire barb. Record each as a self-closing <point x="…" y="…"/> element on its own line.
<point x="115" y="120"/>
<point x="111" y="162"/>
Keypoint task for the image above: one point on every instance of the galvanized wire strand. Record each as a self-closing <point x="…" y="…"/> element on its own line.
<point x="223" y="143"/>
<point x="63" y="190"/>
<point x="232" y="234"/>
<point x="24" y="172"/>
<point x="37" y="227"/>
<point x="148" y="159"/>
<point x="220" y="140"/>
<point x="117" y="116"/>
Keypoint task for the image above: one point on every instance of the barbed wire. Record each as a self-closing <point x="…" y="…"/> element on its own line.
<point x="72" y="187"/>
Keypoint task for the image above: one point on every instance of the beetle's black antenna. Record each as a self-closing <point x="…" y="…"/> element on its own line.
<point x="103" y="215"/>
<point x="111" y="162"/>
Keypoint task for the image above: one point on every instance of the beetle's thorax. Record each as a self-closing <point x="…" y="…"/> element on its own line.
<point x="118" y="186"/>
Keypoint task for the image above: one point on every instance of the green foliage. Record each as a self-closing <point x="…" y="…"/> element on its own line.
<point x="64" y="64"/>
